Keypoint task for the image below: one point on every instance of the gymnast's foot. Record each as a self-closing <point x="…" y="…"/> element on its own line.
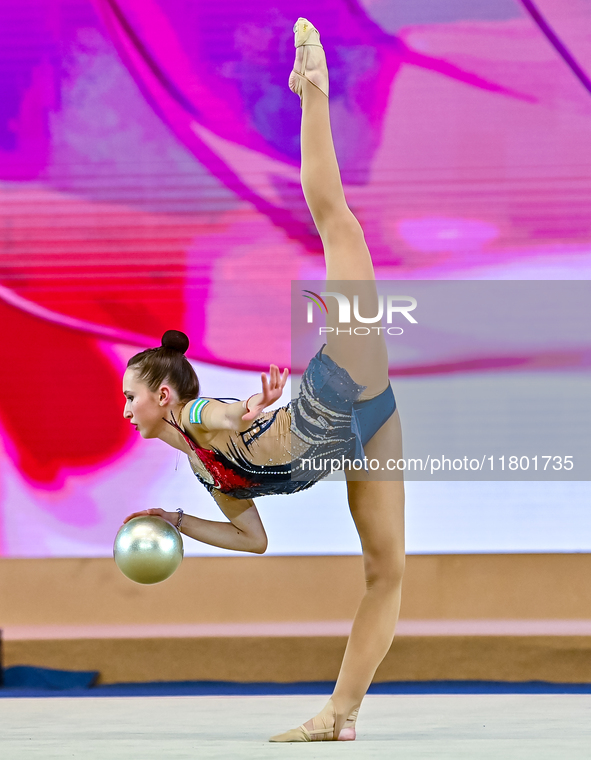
<point x="310" y="61"/>
<point x="321" y="728"/>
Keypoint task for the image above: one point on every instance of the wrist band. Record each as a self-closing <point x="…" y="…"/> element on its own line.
<point x="180" y="520"/>
<point x="247" y="400"/>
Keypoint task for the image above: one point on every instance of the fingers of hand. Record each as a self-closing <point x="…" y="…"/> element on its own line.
<point x="278" y="378"/>
<point x="143" y="513"/>
<point x="273" y="384"/>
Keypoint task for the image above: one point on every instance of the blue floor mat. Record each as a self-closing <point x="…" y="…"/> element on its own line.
<point x="227" y="688"/>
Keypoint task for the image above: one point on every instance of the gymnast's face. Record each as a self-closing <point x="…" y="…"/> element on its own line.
<point x="143" y="408"/>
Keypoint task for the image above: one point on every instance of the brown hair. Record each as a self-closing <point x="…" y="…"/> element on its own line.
<point x="167" y="363"/>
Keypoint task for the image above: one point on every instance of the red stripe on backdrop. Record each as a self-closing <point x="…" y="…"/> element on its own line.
<point x="61" y="405"/>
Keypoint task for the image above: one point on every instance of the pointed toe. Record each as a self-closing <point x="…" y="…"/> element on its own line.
<point x="299" y="734"/>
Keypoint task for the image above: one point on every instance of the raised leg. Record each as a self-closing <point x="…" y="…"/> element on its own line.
<point x="349" y="269"/>
<point x="346" y="253"/>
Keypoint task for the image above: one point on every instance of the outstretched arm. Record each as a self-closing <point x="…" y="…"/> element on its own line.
<point x="238" y="416"/>
<point x="243" y="533"/>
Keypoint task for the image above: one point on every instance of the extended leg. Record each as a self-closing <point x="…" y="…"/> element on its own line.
<point x="346" y="253"/>
<point x="349" y="268"/>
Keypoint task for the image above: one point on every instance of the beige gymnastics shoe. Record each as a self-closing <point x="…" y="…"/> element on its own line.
<point x="310" y="62"/>
<point x="323" y="728"/>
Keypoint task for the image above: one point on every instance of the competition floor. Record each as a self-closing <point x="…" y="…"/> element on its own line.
<point x="451" y="726"/>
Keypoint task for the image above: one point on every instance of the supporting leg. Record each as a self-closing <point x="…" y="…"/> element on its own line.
<point x="377" y="508"/>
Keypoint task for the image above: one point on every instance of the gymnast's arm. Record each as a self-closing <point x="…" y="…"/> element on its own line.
<point x="243" y="533"/>
<point x="216" y="415"/>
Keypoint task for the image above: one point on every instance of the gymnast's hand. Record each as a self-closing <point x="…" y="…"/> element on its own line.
<point x="272" y="389"/>
<point x="171" y="517"/>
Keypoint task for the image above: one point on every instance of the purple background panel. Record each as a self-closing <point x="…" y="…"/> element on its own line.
<point x="149" y="179"/>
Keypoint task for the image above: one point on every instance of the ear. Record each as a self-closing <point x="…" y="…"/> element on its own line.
<point x="164" y="395"/>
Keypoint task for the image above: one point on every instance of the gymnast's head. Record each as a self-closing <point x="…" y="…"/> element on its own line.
<point x="158" y="381"/>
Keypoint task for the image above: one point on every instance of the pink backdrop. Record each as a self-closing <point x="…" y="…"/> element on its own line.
<point x="149" y="179"/>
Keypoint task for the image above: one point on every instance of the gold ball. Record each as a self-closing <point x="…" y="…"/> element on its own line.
<point x="148" y="549"/>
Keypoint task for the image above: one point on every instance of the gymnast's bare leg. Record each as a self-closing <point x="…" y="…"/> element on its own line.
<point x="377" y="506"/>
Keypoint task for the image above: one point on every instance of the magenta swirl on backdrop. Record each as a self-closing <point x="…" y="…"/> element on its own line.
<point x="149" y="179"/>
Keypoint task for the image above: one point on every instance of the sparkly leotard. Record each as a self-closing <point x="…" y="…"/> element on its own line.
<point x="285" y="450"/>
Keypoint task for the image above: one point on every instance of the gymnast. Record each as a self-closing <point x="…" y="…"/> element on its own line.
<point x="345" y="407"/>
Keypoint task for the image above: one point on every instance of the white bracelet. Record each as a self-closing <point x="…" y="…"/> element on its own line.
<point x="180" y="520"/>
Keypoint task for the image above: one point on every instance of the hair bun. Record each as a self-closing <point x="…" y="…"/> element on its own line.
<point x="176" y="340"/>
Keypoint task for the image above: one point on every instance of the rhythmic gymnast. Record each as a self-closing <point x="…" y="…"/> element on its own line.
<point x="345" y="406"/>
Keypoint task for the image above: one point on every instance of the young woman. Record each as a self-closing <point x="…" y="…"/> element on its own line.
<point x="345" y="407"/>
